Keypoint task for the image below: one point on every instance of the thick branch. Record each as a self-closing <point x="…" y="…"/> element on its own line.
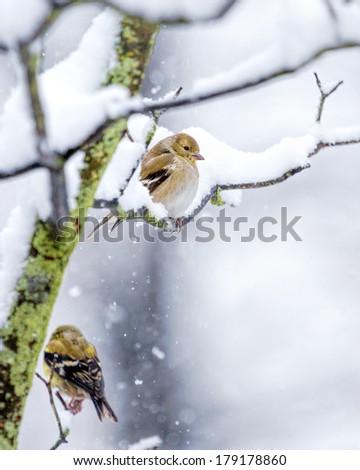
<point x="29" y="63"/>
<point x="47" y="157"/>
<point x="36" y="291"/>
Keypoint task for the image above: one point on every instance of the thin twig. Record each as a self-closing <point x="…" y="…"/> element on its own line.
<point x="144" y="214"/>
<point x="324" y="95"/>
<point x="62" y="433"/>
<point x="331" y="10"/>
<point x="23" y="169"/>
<point x="191" y="99"/>
<point x="108" y="217"/>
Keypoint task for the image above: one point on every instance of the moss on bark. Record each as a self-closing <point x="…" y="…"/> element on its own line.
<point x="37" y="289"/>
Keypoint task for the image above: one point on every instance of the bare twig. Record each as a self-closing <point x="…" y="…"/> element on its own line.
<point x="108" y="217"/>
<point x="147" y="142"/>
<point x="62" y="433"/>
<point x="23" y="169"/>
<point x="321" y="144"/>
<point x="324" y="95"/>
<point x="191" y="99"/>
<point x="331" y="10"/>
<point x="143" y="214"/>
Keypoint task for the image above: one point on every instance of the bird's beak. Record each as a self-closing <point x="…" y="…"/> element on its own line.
<point x="197" y="156"/>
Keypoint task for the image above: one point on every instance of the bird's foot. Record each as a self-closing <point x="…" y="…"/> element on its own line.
<point x="75" y="406"/>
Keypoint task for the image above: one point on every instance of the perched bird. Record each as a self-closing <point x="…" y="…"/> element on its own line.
<point x="72" y="364"/>
<point x="170" y="173"/>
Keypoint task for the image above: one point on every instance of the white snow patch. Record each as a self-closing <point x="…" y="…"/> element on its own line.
<point x="74" y="102"/>
<point x="163" y="9"/>
<point x="232" y="197"/>
<point x="158" y="353"/>
<point x="14" y="247"/>
<point x="19" y="19"/>
<point x="339" y="134"/>
<point x="119" y="169"/>
<point x="73" y="180"/>
<point x="139" y="126"/>
<point x="146" y="443"/>
<point x="223" y="165"/>
<point x="327" y="87"/>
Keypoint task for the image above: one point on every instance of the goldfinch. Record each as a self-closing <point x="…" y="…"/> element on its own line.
<point x="75" y="370"/>
<point x="170" y="173"/>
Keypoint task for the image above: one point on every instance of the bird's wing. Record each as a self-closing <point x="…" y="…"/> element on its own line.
<point x="156" y="170"/>
<point x="84" y="373"/>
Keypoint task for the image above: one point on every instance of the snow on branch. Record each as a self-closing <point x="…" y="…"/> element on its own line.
<point x="241" y="78"/>
<point x="325" y="92"/>
<point x="224" y="168"/>
<point x="14" y="246"/>
<point x="43" y="114"/>
<point x="174" y="12"/>
<point x="56" y="115"/>
<point x="22" y="169"/>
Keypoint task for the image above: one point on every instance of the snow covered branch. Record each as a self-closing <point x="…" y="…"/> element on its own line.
<point x="32" y="276"/>
<point x="160" y="12"/>
<point x="224" y="168"/>
<point x="22" y="170"/>
<point x="207" y="89"/>
<point x="324" y="94"/>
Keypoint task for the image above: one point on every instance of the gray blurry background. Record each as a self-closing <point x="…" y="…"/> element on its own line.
<point x="261" y="340"/>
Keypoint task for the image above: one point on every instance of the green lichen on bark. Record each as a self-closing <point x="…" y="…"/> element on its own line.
<point x="216" y="199"/>
<point x="39" y="284"/>
<point x="137" y="35"/>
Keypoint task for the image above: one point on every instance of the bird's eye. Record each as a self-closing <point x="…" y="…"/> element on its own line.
<point x="186" y="147"/>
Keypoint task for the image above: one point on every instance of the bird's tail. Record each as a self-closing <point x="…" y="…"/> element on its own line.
<point x="104" y="410"/>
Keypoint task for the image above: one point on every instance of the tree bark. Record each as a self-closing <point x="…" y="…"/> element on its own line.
<point x="38" y="287"/>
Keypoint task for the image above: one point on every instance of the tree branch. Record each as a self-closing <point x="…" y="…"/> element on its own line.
<point x="29" y="64"/>
<point x="36" y="290"/>
<point x="63" y="433"/>
<point x="22" y="169"/>
<point x="322" y="143"/>
<point x="194" y="98"/>
<point x="225" y="8"/>
<point x="324" y="95"/>
<point x="47" y="157"/>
